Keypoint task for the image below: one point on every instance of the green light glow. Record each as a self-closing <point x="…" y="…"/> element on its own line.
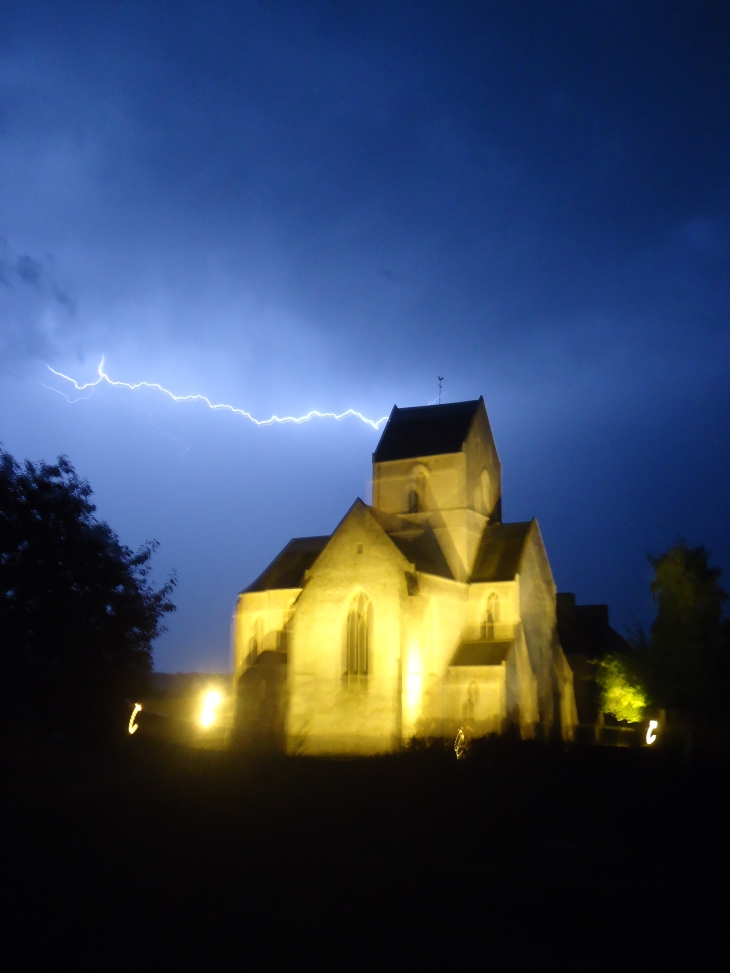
<point x="621" y="695"/>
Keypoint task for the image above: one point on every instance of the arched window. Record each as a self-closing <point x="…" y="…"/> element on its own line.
<point x="255" y="642"/>
<point x="358" y="637"/>
<point x="472" y="699"/>
<point x="417" y="490"/>
<point x="491" y="616"/>
<point x="413" y="504"/>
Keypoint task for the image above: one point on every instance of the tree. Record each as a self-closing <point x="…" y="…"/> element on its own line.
<point x="78" y="614"/>
<point x="687" y="647"/>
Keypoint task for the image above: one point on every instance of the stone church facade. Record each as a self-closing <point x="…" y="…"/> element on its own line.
<point x="418" y="615"/>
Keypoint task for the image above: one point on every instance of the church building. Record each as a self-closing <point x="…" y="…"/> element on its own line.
<point x="419" y="614"/>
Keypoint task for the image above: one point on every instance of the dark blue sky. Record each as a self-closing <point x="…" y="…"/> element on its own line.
<point x="288" y="206"/>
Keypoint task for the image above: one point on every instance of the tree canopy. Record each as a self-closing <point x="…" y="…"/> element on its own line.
<point x="683" y="664"/>
<point x="78" y="614"/>
<point x="687" y="646"/>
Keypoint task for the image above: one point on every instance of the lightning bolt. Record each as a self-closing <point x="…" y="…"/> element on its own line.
<point x="298" y="420"/>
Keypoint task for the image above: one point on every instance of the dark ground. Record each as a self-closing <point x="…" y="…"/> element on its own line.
<point x="154" y="854"/>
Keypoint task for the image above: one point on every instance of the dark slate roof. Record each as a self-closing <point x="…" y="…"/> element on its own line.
<point x="500" y="551"/>
<point x="425" y="553"/>
<point x="483" y="652"/>
<point x="426" y="430"/>
<point x="288" y="567"/>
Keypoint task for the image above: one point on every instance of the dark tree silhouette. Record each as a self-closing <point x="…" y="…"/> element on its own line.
<point x="78" y="614"/>
<point x="687" y="646"/>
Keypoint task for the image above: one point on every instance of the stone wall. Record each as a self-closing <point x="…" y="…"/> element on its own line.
<point x="330" y="712"/>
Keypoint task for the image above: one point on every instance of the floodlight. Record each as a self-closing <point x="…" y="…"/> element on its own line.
<point x="211" y="701"/>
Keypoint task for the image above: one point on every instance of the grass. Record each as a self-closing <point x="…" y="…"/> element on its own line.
<point x="150" y="851"/>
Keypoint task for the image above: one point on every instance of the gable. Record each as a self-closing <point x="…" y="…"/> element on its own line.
<point x="359" y="532"/>
<point x="535" y="563"/>
<point x="429" y="430"/>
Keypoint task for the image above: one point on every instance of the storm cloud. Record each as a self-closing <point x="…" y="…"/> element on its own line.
<point x="315" y="205"/>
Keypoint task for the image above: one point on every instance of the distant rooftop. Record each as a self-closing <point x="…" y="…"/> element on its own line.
<point x="585" y="629"/>
<point x="426" y="430"/>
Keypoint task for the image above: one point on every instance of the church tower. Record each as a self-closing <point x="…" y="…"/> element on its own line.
<point x="436" y="469"/>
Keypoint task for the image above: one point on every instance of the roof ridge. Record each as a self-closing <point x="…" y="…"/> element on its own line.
<point x="434" y="408"/>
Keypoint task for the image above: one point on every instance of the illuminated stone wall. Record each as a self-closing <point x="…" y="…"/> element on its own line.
<point x="259" y="624"/>
<point x="330" y="712"/>
<point x="483" y="487"/>
<point x="436" y="620"/>
<point x="522" y="688"/>
<point x="509" y="607"/>
<point x="476" y="697"/>
<point x="553" y="677"/>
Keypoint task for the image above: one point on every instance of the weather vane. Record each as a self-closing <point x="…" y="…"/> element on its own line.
<point x="440" y="378"/>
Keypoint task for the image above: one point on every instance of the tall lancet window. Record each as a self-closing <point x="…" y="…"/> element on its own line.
<point x="256" y="640"/>
<point x="358" y="637"/>
<point x="492" y="616"/>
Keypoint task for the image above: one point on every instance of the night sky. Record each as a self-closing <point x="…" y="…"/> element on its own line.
<point x="294" y="206"/>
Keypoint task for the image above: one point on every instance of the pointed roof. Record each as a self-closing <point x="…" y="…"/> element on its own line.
<point x="426" y="430"/>
<point x="288" y="567"/>
<point x="498" y="559"/>
<point x="500" y="552"/>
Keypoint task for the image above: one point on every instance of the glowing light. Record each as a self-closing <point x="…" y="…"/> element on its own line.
<point x="133" y="725"/>
<point x="461" y="744"/>
<point x="622" y="696"/>
<point x="650" y="734"/>
<point x="211" y="701"/>
<point x="281" y="420"/>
